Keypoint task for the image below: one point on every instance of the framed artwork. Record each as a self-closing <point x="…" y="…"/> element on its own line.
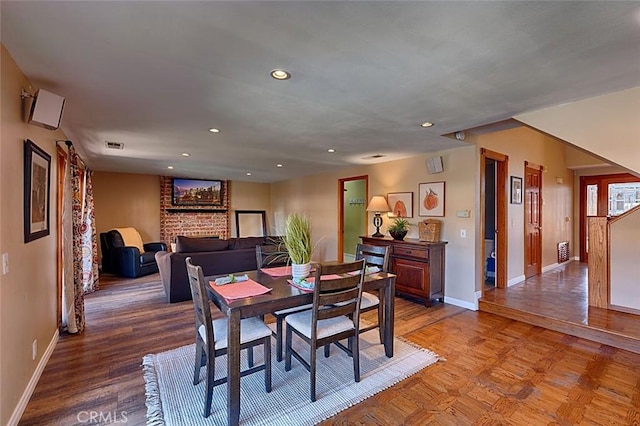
<point x="431" y="199"/>
<point x="516" y="190"/>
<point x="196" y="192"/>
<point x="37" y="181"/>
<point x="401" y="204"/>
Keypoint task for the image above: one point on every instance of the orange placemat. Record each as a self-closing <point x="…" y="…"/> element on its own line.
<point x="277" y="271"/>
<point x="240" y="290"/>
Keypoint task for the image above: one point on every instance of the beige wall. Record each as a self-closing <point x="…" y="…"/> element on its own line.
<point x="523" y="144"/>
<point x="318" y="198"/>
<point x="315" y="196"/>
<point x="127" y="200"/>
<point x="28" y="291"/>
<point x="251" y="196"/>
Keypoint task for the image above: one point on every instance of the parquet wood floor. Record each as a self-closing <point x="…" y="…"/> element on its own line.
<point x="558" y="300"/>
<point x="497" y="370"/>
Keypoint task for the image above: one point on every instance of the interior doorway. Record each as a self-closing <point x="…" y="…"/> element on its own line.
<point x="493" y="218"/>
<point x="533" y="220"/>
<point x="353" y="193"/>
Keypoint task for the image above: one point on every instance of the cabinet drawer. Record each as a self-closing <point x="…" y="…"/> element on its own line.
<point x="419" y="253"/>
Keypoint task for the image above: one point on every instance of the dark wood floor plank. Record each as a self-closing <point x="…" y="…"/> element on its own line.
<point x="496" y="370"/>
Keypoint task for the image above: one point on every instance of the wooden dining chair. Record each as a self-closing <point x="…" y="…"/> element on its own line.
<point x="374" y="256"/>
<point x="327" y="322"/>
<point x="211" y="338"/>
<point x="270" y="256"/>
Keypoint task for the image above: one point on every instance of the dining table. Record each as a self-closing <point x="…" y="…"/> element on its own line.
<point x="283" y="295"/>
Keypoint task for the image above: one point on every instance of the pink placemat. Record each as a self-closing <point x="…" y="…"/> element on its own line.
<point x="277" y="271"/>
<point x="240" y="290"/>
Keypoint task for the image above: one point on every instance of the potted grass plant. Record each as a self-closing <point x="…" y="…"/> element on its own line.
<point x="399" y="228"/>
<point x="297" y="240"/>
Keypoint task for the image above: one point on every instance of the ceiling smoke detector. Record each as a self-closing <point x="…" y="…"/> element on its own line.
<point x="114" y="145"/>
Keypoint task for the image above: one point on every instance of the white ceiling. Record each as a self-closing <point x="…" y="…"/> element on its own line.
<point x="156" y="75"/>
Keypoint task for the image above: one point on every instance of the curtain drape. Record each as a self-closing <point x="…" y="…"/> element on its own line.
<point x="90" y="281"/>
<point x="68" y="304"/>
<point x="84" y="243"/>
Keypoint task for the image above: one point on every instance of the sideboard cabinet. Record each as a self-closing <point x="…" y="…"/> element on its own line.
<point x="418" y="265"/>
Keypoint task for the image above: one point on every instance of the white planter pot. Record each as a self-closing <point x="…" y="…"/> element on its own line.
<point x="300" y="271"/>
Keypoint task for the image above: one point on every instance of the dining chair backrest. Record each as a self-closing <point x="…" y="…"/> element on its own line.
<point x="373" y="255"/>
<point x="200" y="300"/>
<point x="272" y="255"/>
<point x="338" y="293"/>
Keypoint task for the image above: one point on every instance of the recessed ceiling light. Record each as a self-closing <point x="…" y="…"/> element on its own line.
<point x="186" y="154"/>
<point x="278" y="165"/>
<point x="170" y="167"/>
<point x="248" y="173"/>
<point x="281" y="74"/>
<point x="426" y="124"/>
<point x="214" y="130"/>
<point x="331" y="150"/>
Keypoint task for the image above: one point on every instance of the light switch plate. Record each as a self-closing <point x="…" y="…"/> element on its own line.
<point x="463" y="213"/>
<point x="5" y="263"/>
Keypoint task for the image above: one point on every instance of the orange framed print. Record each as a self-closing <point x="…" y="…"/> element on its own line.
<point x="431" y="199"/>
<point x="401" y="204"/>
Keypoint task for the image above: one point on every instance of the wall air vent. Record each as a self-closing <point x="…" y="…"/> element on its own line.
<point x="114" y="145"/>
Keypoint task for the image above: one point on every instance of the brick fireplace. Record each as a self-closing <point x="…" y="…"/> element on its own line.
<point x="195" y="221"/>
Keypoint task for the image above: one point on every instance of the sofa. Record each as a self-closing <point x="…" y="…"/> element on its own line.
<point x="216" y="257"/>
<point x="131" y="260"/>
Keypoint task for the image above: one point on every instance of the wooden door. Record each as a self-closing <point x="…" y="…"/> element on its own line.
<point x="533" y="220"/>
<point x="499" y="210"/>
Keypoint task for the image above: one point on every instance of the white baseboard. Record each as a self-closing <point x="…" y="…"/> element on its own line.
<point x="550" y="267"/>
<point x="31" y="386"/>
<point x="462" y="303"/>
<point x="516" y="280"/>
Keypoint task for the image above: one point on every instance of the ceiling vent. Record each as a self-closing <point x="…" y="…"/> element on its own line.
<point x="114" y="145"/>
<point x="373" y="157"/>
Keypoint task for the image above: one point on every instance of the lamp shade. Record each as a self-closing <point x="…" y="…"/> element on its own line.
<point x="378" y="204"/>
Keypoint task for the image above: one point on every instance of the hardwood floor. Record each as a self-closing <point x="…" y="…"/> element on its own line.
<point x="497" y="370"/>
<point x="558" y="300"/>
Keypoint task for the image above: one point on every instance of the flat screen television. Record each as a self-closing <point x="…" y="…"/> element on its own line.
<point x="196" y="192"/>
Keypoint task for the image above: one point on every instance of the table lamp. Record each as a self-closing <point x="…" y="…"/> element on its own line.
<point x="378" y="204"/>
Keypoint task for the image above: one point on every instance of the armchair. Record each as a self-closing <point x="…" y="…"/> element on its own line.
<point x="128" y="256"/>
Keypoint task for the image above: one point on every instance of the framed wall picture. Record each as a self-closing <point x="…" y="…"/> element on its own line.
<point x="516" y="190"/>
<point x="401" y="203"/>
<point x="431" y="199"/>
<point x="37" y="181"/>
<point x="196" y="192"/>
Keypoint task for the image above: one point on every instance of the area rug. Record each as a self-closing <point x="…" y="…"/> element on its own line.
<point x="173" y="400"/>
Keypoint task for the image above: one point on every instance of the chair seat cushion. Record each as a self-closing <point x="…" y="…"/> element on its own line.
<point x="328" y="327"/>
<point x="368" y="300"/>
<point x="250" y="329"/>
<point x="292" y="310"/>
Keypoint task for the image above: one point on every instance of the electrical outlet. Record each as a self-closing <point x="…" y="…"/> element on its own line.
<point x="5" y="263"/>
<point x="34" y="349"/>
<point x="463" y="233"/>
